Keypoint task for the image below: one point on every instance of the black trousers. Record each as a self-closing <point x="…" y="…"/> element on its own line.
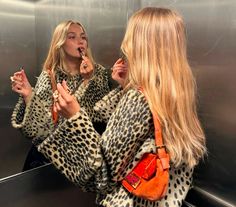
<point x="34" y="159"/>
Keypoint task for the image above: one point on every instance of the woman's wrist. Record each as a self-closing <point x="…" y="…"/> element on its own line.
<point x="87" y="78"/>
<point x="85" y="81"/>
<point x="27" y="97"/>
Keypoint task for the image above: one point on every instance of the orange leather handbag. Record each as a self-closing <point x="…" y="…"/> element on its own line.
<point x="149" y="178"/>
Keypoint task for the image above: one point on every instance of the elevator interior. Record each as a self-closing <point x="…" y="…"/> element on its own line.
<point x="26" y="28"/>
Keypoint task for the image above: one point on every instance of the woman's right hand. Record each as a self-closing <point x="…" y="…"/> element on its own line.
<point x="64" y="103"/>
<point x="21" y="85"/>
<point x="119" y="71"/>
<point x="86" y="68"/>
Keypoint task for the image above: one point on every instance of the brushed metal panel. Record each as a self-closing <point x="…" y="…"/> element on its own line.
<point x="17" y="44"/>
<point x="17" y="48"/>
<point x="42" y="186"/>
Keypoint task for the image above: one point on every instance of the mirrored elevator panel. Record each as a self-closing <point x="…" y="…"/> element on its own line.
<point x="17" y="49"/>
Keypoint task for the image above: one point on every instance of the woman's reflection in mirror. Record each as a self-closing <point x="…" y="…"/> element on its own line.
<point x="70" y="62"/>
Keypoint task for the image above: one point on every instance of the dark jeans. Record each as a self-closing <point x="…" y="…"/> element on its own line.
<point x="34" y="159"/>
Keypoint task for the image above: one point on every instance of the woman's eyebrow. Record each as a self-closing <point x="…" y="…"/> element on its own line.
<point x="71" y="33"/>
<point x="83" y="33"/>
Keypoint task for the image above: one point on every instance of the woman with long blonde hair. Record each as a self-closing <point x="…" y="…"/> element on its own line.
<point x="155" y="77"/>
<point x="69" y="61"/>
<point x="156" y="52"/>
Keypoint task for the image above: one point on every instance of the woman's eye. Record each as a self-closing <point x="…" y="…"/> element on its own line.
<point x="71" y="37"/>
<point x="84" y="37"/>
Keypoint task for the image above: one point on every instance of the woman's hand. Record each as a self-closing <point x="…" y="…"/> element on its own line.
<point x="119" y="71"/>
<point x="21" y="85"/>
<point x="86" y="68"/>
<point x="65" y="104"/>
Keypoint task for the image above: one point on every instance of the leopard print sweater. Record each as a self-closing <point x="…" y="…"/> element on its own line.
<point x="98" y="163"/>
<point x="35" y="119"/>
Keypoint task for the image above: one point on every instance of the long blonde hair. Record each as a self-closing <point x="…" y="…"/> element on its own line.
<point x="155" y="47"/>
<point x="56" y="54"/>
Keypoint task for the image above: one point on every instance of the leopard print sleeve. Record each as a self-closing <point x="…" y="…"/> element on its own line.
<point x="33" y="119"/>
<point x="82" y="155"/>
<point x="74" y="148"/>
<point x="107" y="105"/>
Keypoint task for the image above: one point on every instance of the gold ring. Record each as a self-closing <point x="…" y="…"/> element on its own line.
<point x="55" y="95"/>
<point x="85" y="65"/>
<point x="12" y="79"/>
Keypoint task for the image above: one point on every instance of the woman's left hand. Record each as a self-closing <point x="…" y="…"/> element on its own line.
<point x="65" y="104"/>
<point x="119" y="71"/>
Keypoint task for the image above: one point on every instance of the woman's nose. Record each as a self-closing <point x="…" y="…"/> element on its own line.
<point x="80" y="40"/>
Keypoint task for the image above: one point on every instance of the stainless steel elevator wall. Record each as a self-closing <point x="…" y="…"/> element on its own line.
<point x="17" y="48"/>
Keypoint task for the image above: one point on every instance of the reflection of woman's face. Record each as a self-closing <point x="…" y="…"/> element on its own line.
<point x="75" y="39"/>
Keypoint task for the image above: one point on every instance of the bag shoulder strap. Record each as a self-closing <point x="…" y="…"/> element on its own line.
<point x="53" y="81"/>
<point x="54" y="88"/>
<point x="160" y="147"/>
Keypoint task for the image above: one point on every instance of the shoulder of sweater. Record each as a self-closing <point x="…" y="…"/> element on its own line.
<point x="133" y="95"/>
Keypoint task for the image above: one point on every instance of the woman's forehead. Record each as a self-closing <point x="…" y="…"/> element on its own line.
<point x="75" y="28"/>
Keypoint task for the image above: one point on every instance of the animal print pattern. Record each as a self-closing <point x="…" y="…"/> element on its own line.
<point x="106" y="106"/>
<point x="99" y="162"/>
<point x="35" y="119"/>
